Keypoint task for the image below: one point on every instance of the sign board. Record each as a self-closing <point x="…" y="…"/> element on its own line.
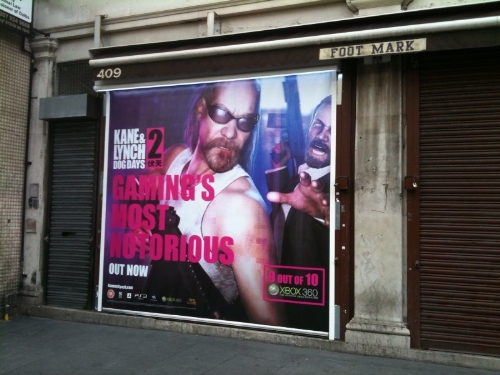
<point x="373" y="49"/>
<point x="188" y="227"/>
<point x="16" y="15"/>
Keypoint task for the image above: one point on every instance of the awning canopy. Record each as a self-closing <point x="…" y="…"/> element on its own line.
<point x="291" y="47"/>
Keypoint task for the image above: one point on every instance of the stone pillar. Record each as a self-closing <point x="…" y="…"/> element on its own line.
<point x="37" y="175"/>
<point x="380" y="294"/>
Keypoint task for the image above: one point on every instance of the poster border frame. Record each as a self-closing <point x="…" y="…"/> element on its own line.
<point x="334" y="70"/>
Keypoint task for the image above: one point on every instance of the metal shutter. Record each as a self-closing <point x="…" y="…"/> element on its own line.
<point x="460" y="201"/>
<point x="73" y="198"/>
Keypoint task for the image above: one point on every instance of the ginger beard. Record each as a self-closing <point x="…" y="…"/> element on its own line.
<point x="221" y="154"/>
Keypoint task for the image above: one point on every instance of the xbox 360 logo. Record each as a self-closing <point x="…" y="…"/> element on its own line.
<point x="273" y="289"/>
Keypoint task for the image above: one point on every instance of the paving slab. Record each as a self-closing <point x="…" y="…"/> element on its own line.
<point x="30" y="345"/>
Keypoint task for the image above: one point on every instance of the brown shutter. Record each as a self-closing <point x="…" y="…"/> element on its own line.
<point x="459" y="207"/>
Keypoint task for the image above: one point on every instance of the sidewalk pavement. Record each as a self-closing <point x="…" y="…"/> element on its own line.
<point x="44" y="346"/>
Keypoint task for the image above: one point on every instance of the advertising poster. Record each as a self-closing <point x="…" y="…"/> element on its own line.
<point x="195" y="223"/>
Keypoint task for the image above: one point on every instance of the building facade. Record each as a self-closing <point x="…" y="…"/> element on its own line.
<point x="15" y="66"/>
<point x="413" y="254"/>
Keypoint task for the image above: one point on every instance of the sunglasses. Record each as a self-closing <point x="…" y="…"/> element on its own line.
<point x="221" y="116"/>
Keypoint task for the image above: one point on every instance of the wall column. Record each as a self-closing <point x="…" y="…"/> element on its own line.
<point x="380" y="287"/>
<point x="37" y="176"/>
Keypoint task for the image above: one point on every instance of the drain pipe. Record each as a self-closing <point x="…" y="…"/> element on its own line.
<point x="351" y="7"/>
<point x="388" y="32"/>
<point x="97" y="29"/>
<point x="213" y="24"/>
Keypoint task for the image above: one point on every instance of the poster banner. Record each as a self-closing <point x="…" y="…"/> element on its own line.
<point x="196" y="222"/>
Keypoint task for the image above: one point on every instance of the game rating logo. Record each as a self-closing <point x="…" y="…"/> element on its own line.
<point x="299" y="285"/>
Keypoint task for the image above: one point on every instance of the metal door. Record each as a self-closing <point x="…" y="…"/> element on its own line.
<point x="72" y="214"/>
<point x="454" y="201"/>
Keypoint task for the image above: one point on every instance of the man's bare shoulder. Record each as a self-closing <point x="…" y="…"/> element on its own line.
<point x="241" y="193"/>
<point x="238" y="212"/>
<point x="238" y="206"/>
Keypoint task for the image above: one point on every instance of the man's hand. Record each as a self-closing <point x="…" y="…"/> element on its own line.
<point x="308" y="197"/>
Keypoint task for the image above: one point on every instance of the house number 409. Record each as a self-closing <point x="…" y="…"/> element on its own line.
<point x="110" y="73"/>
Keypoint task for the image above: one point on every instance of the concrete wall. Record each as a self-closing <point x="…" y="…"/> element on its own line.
<point x="72" y="23"/>
<point x="132" y="22"/>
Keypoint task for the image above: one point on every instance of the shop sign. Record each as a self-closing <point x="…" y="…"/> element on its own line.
<point x="16" y="15"/>
<point x="373" y="49"/>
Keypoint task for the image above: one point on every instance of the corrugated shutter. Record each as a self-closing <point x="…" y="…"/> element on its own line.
<point x="460" y="201"/>
<point x="73" y="195"/>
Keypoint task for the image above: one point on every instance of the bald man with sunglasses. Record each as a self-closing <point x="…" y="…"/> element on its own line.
<point x="217" y="132"/>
